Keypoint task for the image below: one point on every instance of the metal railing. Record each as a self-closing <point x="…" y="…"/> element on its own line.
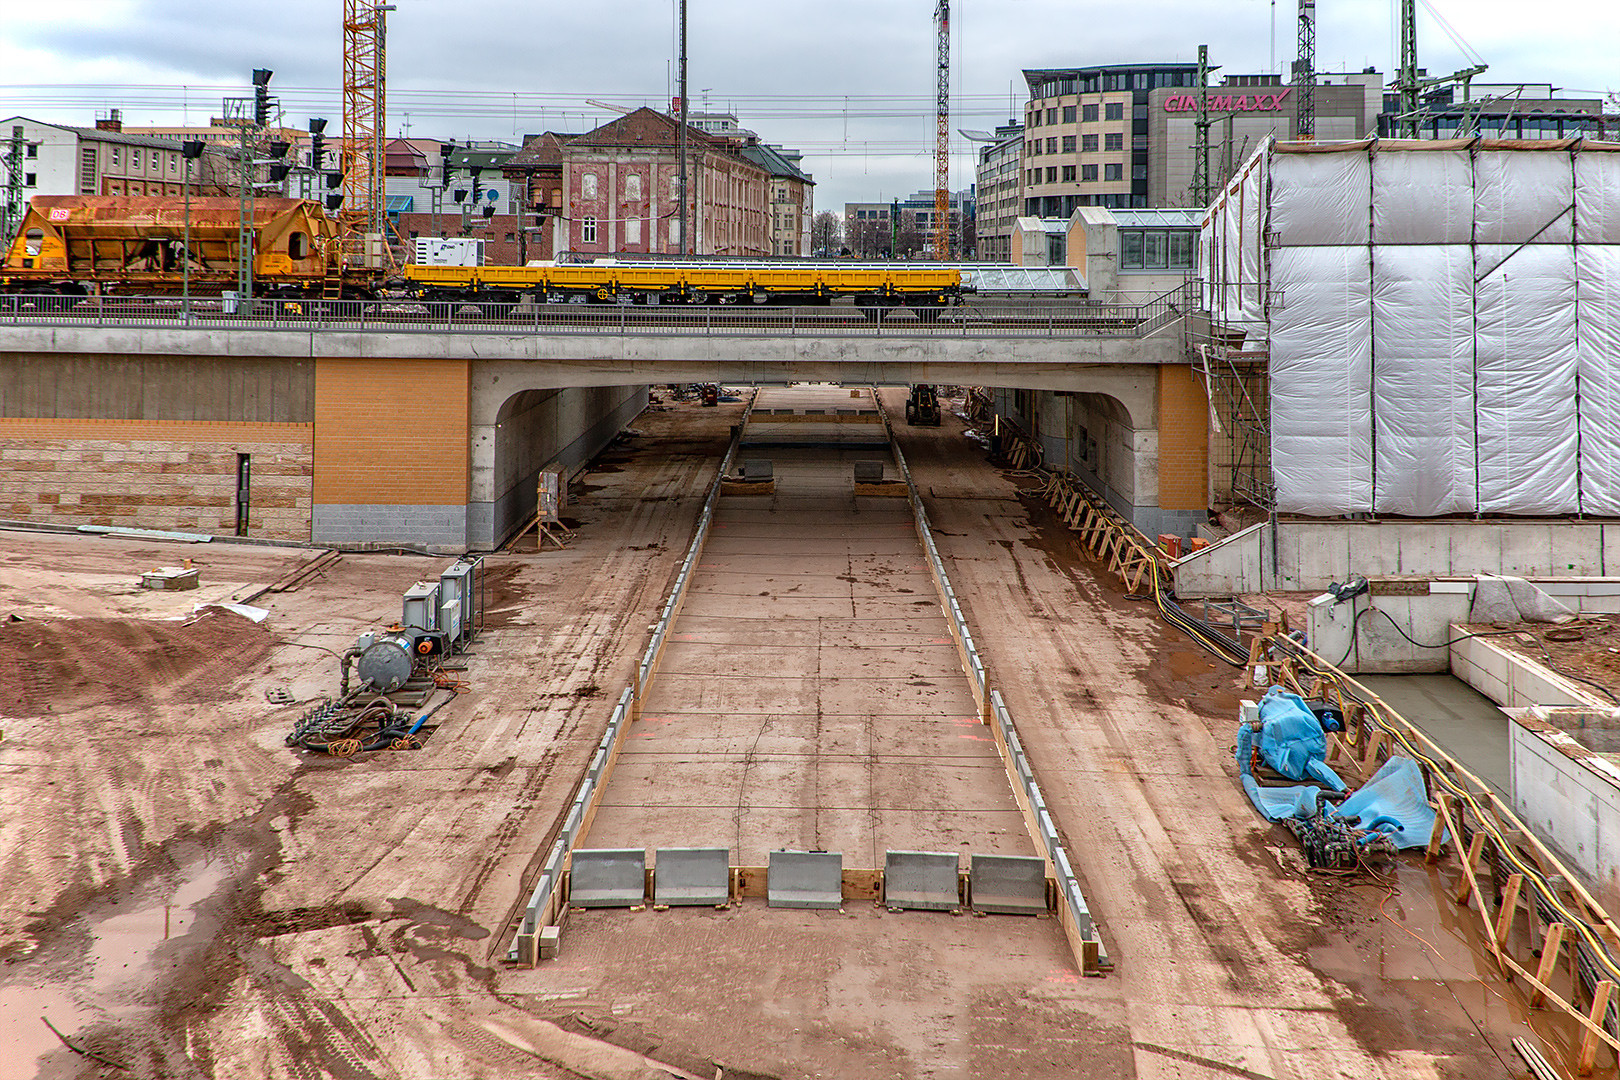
<point x="981" y="317"/>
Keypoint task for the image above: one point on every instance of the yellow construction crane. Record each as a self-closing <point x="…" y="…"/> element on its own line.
<point x="365" y="113"/>
<point x="942" y="134"/>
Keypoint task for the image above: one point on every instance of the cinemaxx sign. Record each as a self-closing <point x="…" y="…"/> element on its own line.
<point x="1178" y="103"/>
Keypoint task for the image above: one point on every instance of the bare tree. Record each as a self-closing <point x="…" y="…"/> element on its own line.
<point x="826" y="234"/>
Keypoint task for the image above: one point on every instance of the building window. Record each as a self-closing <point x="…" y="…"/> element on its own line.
<point x="1183" y="249"/>
<point x="1051" y="116"/>
<point x="1088" y="143"/>
<point x="1114" y="110"/>
<point x="1034" y="147"/>
<point x="1114" y="140"/>
<point x="1068" y="114"/>
<point x="1138" y="172"/>
<point x="134" y="159"/>
<point x="1113" y="172"/>
<point x="632" y="186"/>
<point x="1068" y="173"/>
<point x="1140" y="81"/>
<point x="1034" y="118"/>
<point x="1068" y="144"/>
<point x="1088" y="114"/>
<point x="115" y="155"/>
<point x="29" y="179"/>
<point x="1051" y="146"/>
<point x="33" y="150"/>
<point x="587" y="230"/>
<point x="1088" y="173"/>
<point x="587" y="186"/>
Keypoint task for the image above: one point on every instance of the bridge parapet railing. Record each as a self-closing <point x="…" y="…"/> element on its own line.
<point x="981" y="317"/>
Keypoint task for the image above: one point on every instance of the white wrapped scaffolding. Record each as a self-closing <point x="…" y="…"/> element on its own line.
<point x="1443" y="321"/>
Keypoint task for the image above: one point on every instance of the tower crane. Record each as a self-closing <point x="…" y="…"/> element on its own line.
<point x="942" y="134"/>
<point x="365" y="112"/>
<point x="1305" y="72"/>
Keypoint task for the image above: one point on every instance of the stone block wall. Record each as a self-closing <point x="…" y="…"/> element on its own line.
<point x="156" y="474"/>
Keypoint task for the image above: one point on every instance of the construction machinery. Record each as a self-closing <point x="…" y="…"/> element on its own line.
<point x="922" y="407"/>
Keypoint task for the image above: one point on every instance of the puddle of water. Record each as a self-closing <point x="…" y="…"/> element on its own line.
<point x="116" y="966"/>
<point x="1434" y="956"/>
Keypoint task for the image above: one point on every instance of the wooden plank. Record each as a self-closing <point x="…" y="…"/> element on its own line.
<point x="859" y="884"/>
<point x="1442" y="819"/>
<point x="1466" y="887"/>
<point x="1550" y="945"/>
<point x="1510" y="907"/>
<point x="1589" y="1043"/>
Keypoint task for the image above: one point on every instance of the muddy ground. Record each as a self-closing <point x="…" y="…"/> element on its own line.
<point x="186" y="897"/>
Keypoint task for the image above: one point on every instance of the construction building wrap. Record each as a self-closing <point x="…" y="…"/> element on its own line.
<point x="1443" y="320"/>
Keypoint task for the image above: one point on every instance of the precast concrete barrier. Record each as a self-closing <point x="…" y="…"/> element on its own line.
<point x="921" y="880"/>
<point x="805" y="879"/>
<point x="1007" y="884"/>
<point x="691" y="877"/>
<point x="607" y="877"/>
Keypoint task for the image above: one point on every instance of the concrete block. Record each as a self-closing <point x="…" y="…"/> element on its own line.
<point x="170" y="578"/>
<point x="549" y="941"/>
<point x="1007" y="884"/>
<point x="608" y="877"/>
<point x="692" y="876"/>
<point x="805" y="879"/>
<point x="921" y="880"/>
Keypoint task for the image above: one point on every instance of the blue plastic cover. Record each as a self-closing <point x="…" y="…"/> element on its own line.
<point x="1292" y="740"/>
<point x="1393" y="802"/>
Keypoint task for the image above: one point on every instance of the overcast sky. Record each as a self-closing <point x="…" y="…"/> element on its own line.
<point x="848" y="81"/>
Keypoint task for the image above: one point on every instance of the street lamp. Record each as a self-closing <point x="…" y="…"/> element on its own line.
<point x="190" y="150"/>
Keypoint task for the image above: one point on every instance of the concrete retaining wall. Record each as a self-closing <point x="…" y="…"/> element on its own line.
<point x="1311" y="554"/>
<point x="1512" y="681"/>
<point x="1381" y="620"/>
<point x="1570" y="796"/>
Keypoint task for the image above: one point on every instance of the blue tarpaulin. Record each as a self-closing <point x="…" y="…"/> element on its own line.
<point x="1393" y="802"/>
<point x="1291" y="739"/>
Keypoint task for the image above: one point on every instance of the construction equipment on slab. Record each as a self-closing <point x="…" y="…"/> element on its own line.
<point x="922" y="407"/>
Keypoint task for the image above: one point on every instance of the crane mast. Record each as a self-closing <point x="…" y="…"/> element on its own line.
<point x="942" y="136"/>
<point x="1305" y="73"/>
<point x="364" y="116"/>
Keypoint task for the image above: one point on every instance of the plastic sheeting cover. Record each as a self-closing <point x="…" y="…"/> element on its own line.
<point x="1321" y="380"/>
<point x="1423" y="197"/>
<point x="1597" y="197"/>
<point x="1321" y="198"/>
<point x="1597" y="361"/>
<point x="1393" y="802"/>
<point x="1292" y="740"/>
<point x="1524" y="366"/>
<point x="1423" y="397"/>
<point x="1522" y="194"/>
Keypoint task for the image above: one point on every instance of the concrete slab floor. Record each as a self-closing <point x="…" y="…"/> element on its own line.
<point x="811" y="697"/>
<point x="1463" y="721"/>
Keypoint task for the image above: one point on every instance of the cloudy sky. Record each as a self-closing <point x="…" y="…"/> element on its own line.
<point x="848" y="81"/>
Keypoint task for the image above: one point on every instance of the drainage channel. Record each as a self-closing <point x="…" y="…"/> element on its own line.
<point x="812" y="723"/>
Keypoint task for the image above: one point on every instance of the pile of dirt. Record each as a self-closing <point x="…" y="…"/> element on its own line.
<point x="59" y="665"/>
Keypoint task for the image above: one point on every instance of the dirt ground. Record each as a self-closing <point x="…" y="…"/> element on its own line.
<point x="186" y="897"/>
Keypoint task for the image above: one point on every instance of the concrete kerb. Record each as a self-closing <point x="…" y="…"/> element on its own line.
<point x="1073" y="911"/>
<point x="692" y="877"/>
<point x="921" y="880"/>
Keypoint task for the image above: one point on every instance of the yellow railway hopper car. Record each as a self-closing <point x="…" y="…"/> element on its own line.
<point x="128" y="245"/>
<point x="926" y="289"/>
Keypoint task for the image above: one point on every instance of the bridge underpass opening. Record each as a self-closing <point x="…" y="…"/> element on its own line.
<point x="535" y="430"/>
<point x="810" y="696"/>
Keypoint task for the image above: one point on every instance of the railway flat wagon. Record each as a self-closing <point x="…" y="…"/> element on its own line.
<point x="873" y="287"/>
<point x="135" y="246"/>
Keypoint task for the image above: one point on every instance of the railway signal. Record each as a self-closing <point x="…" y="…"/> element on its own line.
<point x="261" y="96"/>
<point x="317" y="142"/>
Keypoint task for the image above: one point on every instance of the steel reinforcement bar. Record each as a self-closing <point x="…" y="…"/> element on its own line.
<point x="1074" y="914"/>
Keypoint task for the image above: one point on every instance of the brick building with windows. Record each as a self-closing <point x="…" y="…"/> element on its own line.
<point x="620" y="191"/>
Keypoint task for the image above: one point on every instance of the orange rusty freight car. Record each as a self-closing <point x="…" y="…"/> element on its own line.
<point x="134" y="246"/>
